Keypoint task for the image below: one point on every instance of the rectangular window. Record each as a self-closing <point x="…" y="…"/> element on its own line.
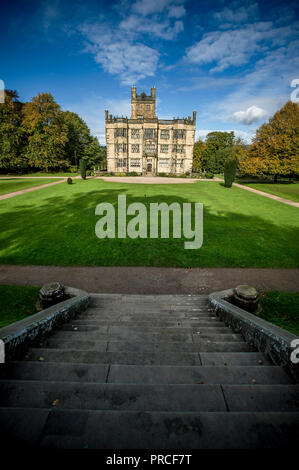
<point x="178" y="148"/>
<point x="150" y="133"/>
<point x="164" y="134"/>
<point x="135" y="162"/>
<point x="120" y="132"/>
<point x="179" y="134"/>
<point x="150" y="148"/>
<point x="121" y="162"/>
<point x="164" y="148"/>
<point x="135" y="148"/>
<point x="163" y="162"/>
<point x="120" y="147"/>
<point x="179" y="163"/>
<point x="135" y="133"/>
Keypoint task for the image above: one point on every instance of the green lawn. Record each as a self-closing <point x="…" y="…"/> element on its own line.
<point x="16" y="303"/>
<point x="44" y="173"/>
<point x="282" y="309"/>
<point x="285" y="190"/>
<point x="10" y="185"/>
<point x="56" y="226"/>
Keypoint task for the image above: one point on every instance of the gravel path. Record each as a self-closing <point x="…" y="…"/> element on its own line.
<point x="28" y="190"/>
<point x="151" y="280"/>
<point x="152" y="179"/>
<point x="271" y="196"/>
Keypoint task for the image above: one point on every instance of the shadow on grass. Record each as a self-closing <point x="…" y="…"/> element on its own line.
<point x="61" y="231"/>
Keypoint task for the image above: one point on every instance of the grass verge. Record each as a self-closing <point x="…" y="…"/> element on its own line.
<point x="282" y="309"/>
<point x="285" y="190"/>
<point x="16" y="303"/>
<point x="11" y="185"/>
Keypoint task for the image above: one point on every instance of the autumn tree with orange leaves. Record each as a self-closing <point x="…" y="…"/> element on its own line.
<point x="275" y="148"/>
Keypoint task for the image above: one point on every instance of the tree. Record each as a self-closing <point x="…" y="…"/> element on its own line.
<point x="83" y="168"/>
<point x="47" y="133"/>
<point x="198" y="149"/>
<point x="275" y="148"/>
<point x="230" y="168"/>
<point x="213" y="158"/>
<point x="12" y="137"/>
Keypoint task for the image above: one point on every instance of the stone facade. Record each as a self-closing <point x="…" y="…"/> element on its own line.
<point x="146" y="144"/>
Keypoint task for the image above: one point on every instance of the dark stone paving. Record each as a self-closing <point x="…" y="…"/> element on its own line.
<point x="147" y="372"/>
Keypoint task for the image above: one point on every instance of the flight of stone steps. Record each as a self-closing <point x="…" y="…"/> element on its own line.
<point x="147" y="372"/>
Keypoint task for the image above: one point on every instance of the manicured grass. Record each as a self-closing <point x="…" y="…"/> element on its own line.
<point x="56" y="226"/>
<point x="285" y="190"/>
<point x="43" y="173"/>
<point x="11" y="185"/>
<point x="16" y="303"/>
<point x="282" y="309"/>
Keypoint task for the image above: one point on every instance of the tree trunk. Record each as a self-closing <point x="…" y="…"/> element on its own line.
<point x="275" y="178"/>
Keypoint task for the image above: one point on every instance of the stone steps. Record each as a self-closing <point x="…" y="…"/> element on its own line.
<point x="92" y="429"/>
<point x="140" y="397"/>
<point x="148" y="372"/>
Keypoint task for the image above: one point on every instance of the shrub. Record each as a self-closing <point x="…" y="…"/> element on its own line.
<point x="209" y="175"/>
<point x="69" y="180"/>
<point x="133" y="173"/>
<point x="230" y="169"/>
<point x="162" y="174"/>
<point x="83" y="169"/>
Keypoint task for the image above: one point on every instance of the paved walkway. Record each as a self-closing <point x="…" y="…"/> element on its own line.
<point x="152" y="179"/>
<point x="151" y="280"/>
<point x="271" y="196"/>
<point x="32" y="177"/>
<point x="28" y="190"/>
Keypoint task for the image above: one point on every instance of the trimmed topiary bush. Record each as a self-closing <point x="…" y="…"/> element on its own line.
<point x="230" y="169"/>
<point x="83" y="169"/>
<point x="69" y="180"/>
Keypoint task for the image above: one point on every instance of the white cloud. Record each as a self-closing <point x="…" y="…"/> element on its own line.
<point x="176" y="11"/>
<point x="252" y="114"/>
<point x="236" y="47"/>
<point x="236" y="13"/>
<point x="154" y="27"/>
<point x="119" y="55"/>
<point x="120" y="48"/>
<point x="148" y="7"/>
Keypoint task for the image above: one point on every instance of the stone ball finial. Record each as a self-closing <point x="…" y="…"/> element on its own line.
<point x="50" y="294"/>
<point x="246" y="297"/>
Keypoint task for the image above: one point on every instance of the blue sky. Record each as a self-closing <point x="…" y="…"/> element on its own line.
<point x="231" y="61"/>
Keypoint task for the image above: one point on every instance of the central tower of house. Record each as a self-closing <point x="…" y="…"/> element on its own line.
<point x="147" y="145"/>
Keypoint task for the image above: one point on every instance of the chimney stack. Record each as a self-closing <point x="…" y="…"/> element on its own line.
<point x="133" y="93"/>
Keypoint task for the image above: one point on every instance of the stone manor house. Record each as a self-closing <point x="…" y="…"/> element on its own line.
<point x="146" y="144"/>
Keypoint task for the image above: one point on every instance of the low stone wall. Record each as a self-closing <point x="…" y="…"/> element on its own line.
<point x="273" y="341"/>
<point x="19" y="336"/>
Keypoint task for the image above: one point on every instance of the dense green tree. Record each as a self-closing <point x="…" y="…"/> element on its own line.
<point x="79" y="138"/>
<point x="230" y="169"/>
<point x="12" y="136"/>
<point x="47" y="133"/>
<point x="198" y="150"/>
<point x="83" y="168"/>
<point x="214" y="156"/>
